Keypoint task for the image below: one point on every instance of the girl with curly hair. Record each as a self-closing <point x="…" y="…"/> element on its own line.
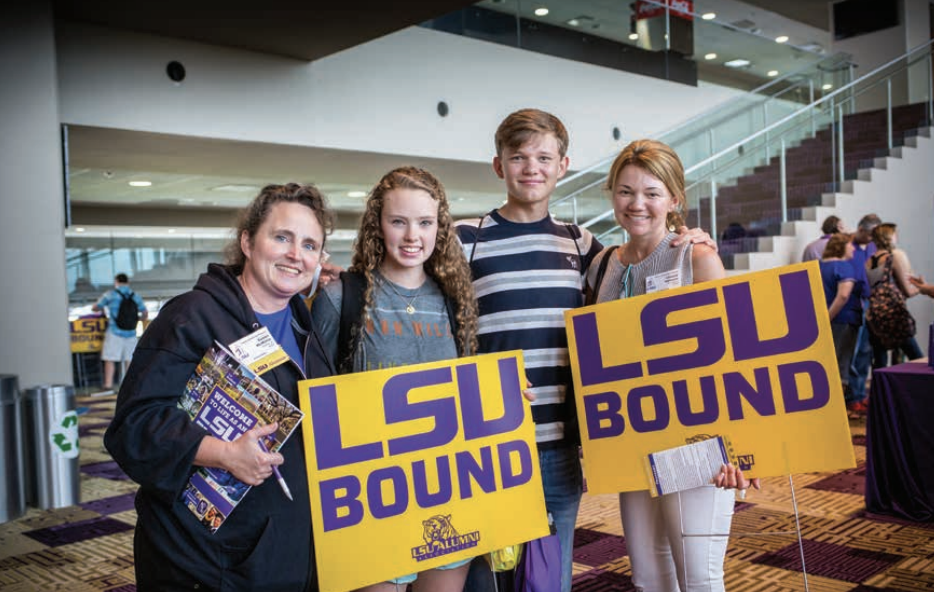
<point x="418" y="302"/>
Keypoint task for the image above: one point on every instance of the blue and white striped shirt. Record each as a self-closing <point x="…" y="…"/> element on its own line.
<point x="525" y="276"/>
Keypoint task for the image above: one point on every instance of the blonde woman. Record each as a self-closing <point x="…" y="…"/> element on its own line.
<point x="646" y="183"/>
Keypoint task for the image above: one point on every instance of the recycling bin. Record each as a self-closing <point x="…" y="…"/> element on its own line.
<point x="12" y="494"/>
<point x="51" y="459"/>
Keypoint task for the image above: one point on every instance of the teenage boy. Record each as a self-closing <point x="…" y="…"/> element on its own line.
<point x="527" y="270"/>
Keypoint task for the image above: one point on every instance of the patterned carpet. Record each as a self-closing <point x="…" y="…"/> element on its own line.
<point x="88" y="547"/>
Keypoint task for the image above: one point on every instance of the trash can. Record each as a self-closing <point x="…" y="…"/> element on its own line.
<point x="12" y="494"/>
<point x="50" y="420"/>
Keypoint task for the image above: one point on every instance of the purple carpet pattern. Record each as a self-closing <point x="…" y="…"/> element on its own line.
<point x="89" y="547"/>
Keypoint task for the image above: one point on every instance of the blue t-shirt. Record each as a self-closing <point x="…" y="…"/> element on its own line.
<point x="860" y="257"/>
<point x="110" y="302"/>
<point x="280" y="326"/>
<point x="834" y="272"/>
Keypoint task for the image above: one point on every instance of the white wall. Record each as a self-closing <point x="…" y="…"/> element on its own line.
<point x="875" y="49"/>
<point x="380" y="96"/>
<point x="34" y="341"/>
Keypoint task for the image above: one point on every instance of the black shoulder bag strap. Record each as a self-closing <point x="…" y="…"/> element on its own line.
<point x="476" y="238"/>
<point x="592" y="294"/>
<point x="353" y="286"/>
<point x="575" y="233"/>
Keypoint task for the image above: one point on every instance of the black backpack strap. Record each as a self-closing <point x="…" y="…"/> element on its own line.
<point x="476" y="238"/>
<point x="575" y="233"/>
<point x="353" y="286"/>
<point x="452" y="319"/>
<point x="593" y="293"/>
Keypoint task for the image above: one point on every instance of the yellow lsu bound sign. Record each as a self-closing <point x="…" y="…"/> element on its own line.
<point x="87" y="334"/>
<point x="417" y="467"/>
<point x="750" y="357"/>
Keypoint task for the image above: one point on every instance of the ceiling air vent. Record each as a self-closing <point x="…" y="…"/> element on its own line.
<point x="744" y="24"/>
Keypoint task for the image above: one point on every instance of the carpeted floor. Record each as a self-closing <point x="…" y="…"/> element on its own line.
<point x="88" y="547"/>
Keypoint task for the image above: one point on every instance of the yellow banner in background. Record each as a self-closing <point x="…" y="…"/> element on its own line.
<point x="750" y="357"/>
<point x="417" y="467"/>
<point x="87" y="334"/>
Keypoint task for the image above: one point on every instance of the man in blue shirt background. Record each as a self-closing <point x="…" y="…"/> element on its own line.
<point x="119" y="343"/>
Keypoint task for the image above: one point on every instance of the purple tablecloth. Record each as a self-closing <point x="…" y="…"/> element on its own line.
<point x="900" y="442"/>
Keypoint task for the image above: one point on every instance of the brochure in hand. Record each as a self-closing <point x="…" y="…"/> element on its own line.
<point x="227" y="399"/>
<point x="689" y="466"/>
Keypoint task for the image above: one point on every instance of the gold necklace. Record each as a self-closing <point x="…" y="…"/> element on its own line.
<point x="410" y="304"/>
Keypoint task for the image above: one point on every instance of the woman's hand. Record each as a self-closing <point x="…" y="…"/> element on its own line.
<point x="694" y="235"/>
<point x="247" y="461"/>
<point x="329" y="273"/>
<point x="527" y="392"/>
<point x="731" y="477"/>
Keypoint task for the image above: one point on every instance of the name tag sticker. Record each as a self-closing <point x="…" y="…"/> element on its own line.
<point x="663" y="281"/>
<point x="259" y="351"/>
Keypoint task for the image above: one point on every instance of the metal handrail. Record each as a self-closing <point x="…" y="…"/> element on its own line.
<point x="826" y="100"/>
<point x="715" y="110"/>
<point x="809" y="107"/>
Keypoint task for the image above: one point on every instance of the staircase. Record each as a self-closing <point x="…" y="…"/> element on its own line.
<point x="812" y="174"/>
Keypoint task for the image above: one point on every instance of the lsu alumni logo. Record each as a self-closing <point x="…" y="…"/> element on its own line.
<point x="441" y="538"/>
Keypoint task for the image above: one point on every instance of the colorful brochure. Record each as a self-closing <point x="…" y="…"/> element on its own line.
<point x="227" y="399"/>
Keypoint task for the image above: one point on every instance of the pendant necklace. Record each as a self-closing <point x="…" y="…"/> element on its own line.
<point x="410" y="304"/>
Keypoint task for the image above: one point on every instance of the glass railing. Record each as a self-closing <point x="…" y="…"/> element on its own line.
<point x="580" y="197"/>
<point x="158" y="266"/>
<point x="812" y="150"/>
<point x="750" y="187"/>
<point x="648" y="37"/>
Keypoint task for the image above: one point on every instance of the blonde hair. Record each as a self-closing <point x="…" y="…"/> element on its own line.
<point x="882" y="236"/>
<point x="660" y="161"/>
<point x="446" y="264"/>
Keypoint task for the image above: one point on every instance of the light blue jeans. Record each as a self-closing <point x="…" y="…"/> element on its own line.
<point x="859" y="366"/>
<point x="563" y="484"/>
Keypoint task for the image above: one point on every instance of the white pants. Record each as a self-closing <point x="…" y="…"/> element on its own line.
<point x="664" y="561"/>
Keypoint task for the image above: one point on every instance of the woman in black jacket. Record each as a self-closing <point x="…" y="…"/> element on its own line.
<point x="266" y="542"/>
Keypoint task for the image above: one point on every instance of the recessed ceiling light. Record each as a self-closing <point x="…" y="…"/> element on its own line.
<point x="633" y="36"/>
<point x="773" y="72"/>
<point x="709" y="16"/>
<point x="781" y="39"/>
<point x="171" y="231"/>
<point x="79" y="229"/>
<point x="710" y="56"/>
<point x="356" y="194"/>
<point x="827" y="87"/>
<point x="541" y="11"/>
<point x="737" y="63"/>
<point x="574" y="22"/>
<point x="140" y="183"/>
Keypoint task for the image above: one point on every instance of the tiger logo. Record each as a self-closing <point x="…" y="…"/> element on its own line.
<point x="438" y="529"/>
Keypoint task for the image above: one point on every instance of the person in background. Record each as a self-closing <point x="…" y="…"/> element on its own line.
<point x="815" y="249"/>
<point x="266" y="542"/>
<point x="411" y="271"/>
<point x="843" y="291"/>
<point x="885" y="237"/>
<point x="923" y="287"/>
<point x="646" y="182"/>
<point x="119" y="342"/>
<point x="857" y="397"/>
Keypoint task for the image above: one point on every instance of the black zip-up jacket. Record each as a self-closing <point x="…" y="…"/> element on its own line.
<point x="266" y="542"/>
